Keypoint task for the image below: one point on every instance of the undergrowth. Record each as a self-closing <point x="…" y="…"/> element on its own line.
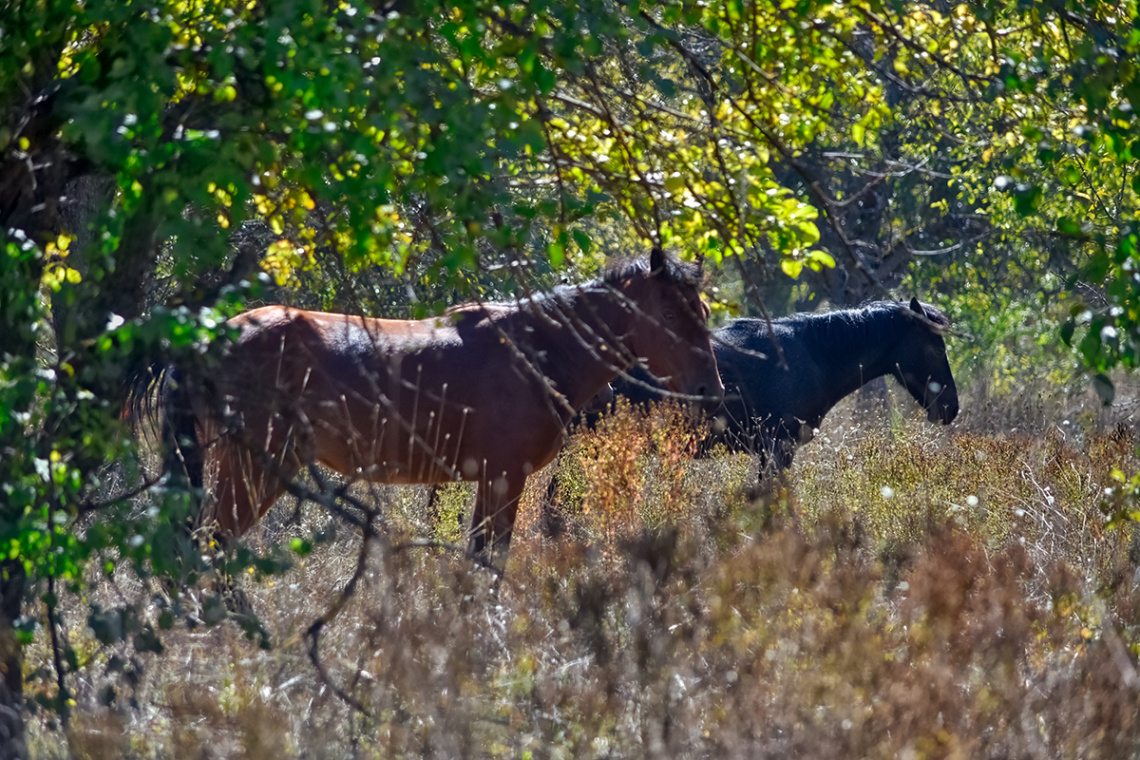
<point x="904" y="591"/>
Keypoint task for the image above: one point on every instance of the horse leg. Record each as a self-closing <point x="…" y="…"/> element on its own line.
<point x="552" y="520"/>
<point x="770" y="452"/>
<point x="765" y="454"/>
<point x="493" y="519"/>
<point x="434" y="516"/>
<point x="775" y="455"/>
<point x="247" y="484"/>
<point x="244" y="489"/>
<point x="785" y="453"/>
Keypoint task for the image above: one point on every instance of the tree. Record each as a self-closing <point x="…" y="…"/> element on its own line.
<point x="163" y="162"/>
<point x="428" y="138"/>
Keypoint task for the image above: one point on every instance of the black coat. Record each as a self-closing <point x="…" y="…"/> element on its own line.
<point x="771" y="407"/>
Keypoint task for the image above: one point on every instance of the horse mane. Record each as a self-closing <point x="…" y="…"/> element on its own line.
<point x="875" y="321"/>
<point x="869" y="313"/>
<point x="613" y="274"/>
<point x="934" y="314"/>
<point x="478" y="309"/>
<point x="679" y="271"/>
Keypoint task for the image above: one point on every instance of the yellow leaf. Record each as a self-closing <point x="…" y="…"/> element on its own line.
<point x="675" y="184"/>
<point x="823" y="258"/>
<point x="791" y="267"/>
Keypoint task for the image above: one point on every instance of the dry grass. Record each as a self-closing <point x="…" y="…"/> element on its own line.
<point x="909" y="592"/>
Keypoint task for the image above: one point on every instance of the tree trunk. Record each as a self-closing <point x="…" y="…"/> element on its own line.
<point x="13" y="746"/>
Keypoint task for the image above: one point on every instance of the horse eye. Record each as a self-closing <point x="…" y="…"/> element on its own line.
<point x="668" y="315"/>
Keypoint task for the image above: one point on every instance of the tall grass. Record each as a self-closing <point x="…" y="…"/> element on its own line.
<point x="905" y="591"/>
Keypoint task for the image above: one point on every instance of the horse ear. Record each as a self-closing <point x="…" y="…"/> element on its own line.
<point x="656" y="261"/>
<point x="916" y="307"/>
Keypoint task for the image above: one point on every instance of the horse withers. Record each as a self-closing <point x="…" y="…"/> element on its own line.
<point x="771" y="408"/>
<point x="482" y="393"/>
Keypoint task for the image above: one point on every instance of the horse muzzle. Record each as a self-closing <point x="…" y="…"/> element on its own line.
<point x="944" y="409"/>
<point x="711" y="395"/>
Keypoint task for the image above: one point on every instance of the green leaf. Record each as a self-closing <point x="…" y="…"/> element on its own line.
<point x="1067" y="330"/>
<point x="1027" y="199"/>
<point x="582" y="240"/>
<point x="1067" y="226"/>
<point x="557" y="254"/>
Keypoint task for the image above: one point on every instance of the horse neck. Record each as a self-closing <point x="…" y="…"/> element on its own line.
<point x="580" y="336"/>
<point x="855" y="351"/>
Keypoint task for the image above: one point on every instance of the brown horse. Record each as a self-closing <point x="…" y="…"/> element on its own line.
<point x="482" y="393"/>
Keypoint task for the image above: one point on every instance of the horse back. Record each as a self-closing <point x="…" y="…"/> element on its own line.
<point x="398" y="401"/>
<point x="761" y="392"/>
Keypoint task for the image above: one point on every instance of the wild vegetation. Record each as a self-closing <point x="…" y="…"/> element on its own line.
<point x="167" y="164"/>
<point x="907" y="591"/>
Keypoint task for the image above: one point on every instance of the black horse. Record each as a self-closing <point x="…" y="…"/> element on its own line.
<point x="769" y="409"/>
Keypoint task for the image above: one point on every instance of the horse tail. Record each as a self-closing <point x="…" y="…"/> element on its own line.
<point x="159" y="400"/>
<point x="180" y="426"/>
<point x="141" y="411"/>
<point x="160" y="406"/>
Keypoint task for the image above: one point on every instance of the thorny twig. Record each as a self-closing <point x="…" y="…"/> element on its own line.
<point x="314" y="631"/>
<point x="87" y="507"/>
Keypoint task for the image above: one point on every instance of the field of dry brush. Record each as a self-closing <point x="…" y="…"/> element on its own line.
<point x="906" y="592"/>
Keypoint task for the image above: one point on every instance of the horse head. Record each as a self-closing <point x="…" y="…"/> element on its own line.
<point x="921" y="364"/>
<point x="670" y="333"/>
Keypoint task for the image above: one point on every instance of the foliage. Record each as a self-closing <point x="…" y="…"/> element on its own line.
<point x="953" y="146"/>
<point x="1004" y="345"/>
<point x="423" y="138"/>
<point x="165" y="163"/>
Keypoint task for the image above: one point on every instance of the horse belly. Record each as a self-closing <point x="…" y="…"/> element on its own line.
<point x="514" y="445"/>
<point x="389" y="445"/>
<point x="432" y="415"/>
